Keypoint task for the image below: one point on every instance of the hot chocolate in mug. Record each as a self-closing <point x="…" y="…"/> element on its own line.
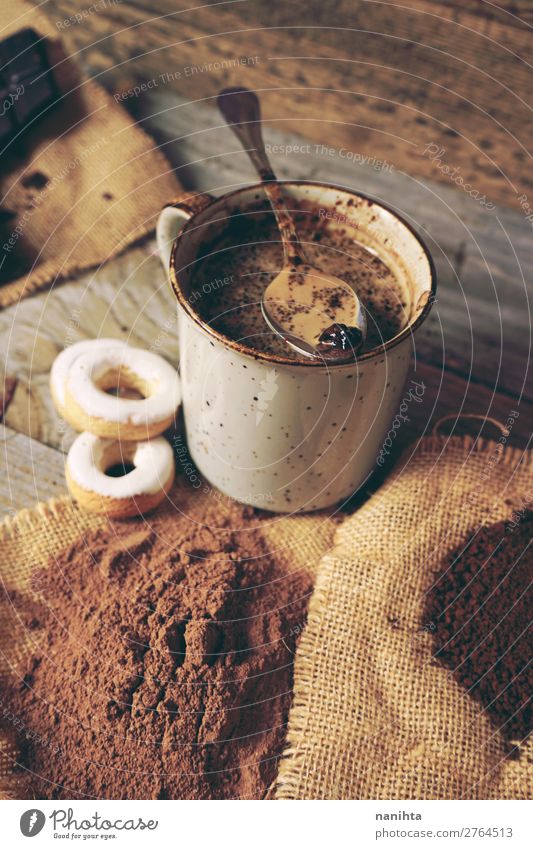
<point x="269" y="430"/>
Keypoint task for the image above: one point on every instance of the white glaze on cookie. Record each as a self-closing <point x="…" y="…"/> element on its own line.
<point x="64" y="361"/>
<point x="89" y="456"/>
<point x="158" y="376"/>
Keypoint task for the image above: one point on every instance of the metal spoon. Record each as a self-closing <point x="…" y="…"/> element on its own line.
<point x="317" y="314"/>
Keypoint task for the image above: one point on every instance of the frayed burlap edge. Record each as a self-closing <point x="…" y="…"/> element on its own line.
<point x="294" y="765"/>
<point x="30" y="519"/>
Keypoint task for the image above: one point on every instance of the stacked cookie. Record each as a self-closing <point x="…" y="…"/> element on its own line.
<point x="119" y="465"/>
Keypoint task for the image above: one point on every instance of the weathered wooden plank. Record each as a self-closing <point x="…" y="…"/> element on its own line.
<point x="29" y="471"/>
<point x="381" y="78"/>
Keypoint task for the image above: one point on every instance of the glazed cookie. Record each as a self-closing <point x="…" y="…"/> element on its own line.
<point x="64" y="361"/>
<point x="90" y="472"/>
<point x="89" y="407"/>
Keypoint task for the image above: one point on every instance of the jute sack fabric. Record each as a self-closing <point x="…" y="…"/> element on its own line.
<point x="83" y="183"/>
<point x="374" y="716"/>
<point x="33" y="537"/>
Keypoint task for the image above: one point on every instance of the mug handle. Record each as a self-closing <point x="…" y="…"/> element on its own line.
<point x="172" y="218"/>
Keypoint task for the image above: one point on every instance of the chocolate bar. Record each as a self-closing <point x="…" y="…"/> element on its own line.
<point x="27" y="84"/>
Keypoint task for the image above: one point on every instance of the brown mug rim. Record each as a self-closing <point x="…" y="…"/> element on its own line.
<point x="276" y="359"/>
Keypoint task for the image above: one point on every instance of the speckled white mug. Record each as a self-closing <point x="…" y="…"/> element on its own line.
<point x="270" y="431"/>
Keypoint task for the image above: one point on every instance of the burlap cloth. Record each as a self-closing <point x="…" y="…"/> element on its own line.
<point x="373" y="717"/>
<point x="32" y="537"/>
<point x="82" y="184"/>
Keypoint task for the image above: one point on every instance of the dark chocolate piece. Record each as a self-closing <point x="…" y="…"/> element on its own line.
<point x="338" y="339"/>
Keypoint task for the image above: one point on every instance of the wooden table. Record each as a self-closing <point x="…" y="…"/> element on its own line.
<point x="353" y="93"/>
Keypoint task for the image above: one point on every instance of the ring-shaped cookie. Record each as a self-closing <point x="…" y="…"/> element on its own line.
<point x="89" y="407"/>
<point x="136" y="492"/>
<point x="64" y="361"/>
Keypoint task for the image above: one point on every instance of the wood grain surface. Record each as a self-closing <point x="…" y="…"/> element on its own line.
<point x="382" y="78"/>
<point x="473" y="352"/>
<point x="31" y="472"/>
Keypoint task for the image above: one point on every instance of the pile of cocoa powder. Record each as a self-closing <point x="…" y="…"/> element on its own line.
<point x="481" y="609"/>
<point x="165" y="663"/>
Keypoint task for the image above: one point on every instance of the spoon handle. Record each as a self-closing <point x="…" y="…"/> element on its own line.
<point x="241" y="110"/>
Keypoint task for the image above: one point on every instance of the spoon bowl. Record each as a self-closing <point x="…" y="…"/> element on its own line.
<point x="316" y="312"/>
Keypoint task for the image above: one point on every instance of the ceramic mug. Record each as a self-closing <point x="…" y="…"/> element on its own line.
<point x="277" y="433"/>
